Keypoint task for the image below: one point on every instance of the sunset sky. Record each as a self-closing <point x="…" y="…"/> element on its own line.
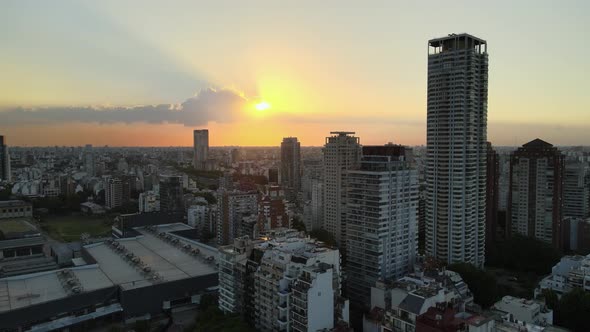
<point x="147" y="73"/>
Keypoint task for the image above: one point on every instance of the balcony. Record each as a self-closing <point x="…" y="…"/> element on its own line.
<point x="283" y="293"/>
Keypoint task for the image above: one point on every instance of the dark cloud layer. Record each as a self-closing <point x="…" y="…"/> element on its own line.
<point x="208" y="105"/>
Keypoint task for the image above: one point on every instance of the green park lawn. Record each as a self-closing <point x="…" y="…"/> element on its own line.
<point x="69" y="228"/>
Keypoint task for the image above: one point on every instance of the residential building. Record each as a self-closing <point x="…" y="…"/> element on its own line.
<point x="342" y="152"/>
<point x="456" y="149"/>
<point x="282" y="282"/>
<point x="198" y="216"/>
<point x="149" y="201"/>
<point x="400" y="302"/>
<point x="312" y="184"/>
<point x="569" y="273"/>
<point x="528" y="311"/>
<point x="15" y="209"/>
<point x="113" y="192"/>
<point x="576" y="189"/>
<point x="171" y="194"/>
<point x="272" y="210"/>
<point x="492" y="196"/>
<point x="382" y="225"/>
<point x="291" y="166"/>
<point x="576" y="235"/>
<point x="5" y="173"/>
<point x="536" y="192"/>
<point x="200" y="148"/>
<point x="89" y="163"/>
<point x="232" y="207"/>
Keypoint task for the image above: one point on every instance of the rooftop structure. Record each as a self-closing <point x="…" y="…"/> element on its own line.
<point x="569" y="273"/>
<point x="113" y="276"/>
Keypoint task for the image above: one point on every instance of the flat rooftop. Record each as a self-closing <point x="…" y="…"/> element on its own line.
<point x="26" y="290"/>
<point x="154" y="256"/>
<point x="16" y="225"/>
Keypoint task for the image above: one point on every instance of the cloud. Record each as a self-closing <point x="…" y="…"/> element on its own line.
<point x="209" y="105"/>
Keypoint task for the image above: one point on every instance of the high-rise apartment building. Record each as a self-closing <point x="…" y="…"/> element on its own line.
<point x="382" y="224"/>
<point x="291" y="165"/>
<point x="171" y="194"/>
<point x="201" y="148"/>
<point x="342" y="152"/>
<point x="456" y="149"/>
<point x="536" y="192"/>
<point x="89" y="163"/>
<point x="232" y="207"/>
<point x="4" y="160"/>
<point x="492" y="195"/>
<point x="576" y="189"/>
<point x="113" y="192"/>
<point x="283" y="283"/>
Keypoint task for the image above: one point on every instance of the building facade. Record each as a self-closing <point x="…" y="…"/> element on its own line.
<point x="171" y="194"/>
<point x="492" y="195"/>
<point x="382" y="225"/>
<point x="232" y="207"/>
<point x="4" y="160"/>
<point x="291" y="165"/>
<point x="576" y="189"/>
<point x="536" y="192"/>
<point x="200" y="148"/>
<point x="281" y="283"/>
<point x="456" y="149"/>
<point x="342" y="152"/>
<point x="113" y="193"/>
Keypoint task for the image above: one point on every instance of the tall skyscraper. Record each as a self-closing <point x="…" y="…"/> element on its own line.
<point x="89" y="163"/>
<point x="291" y="165"/>
<point x="535" y="203"/>
<point x="4" y="160"/>
<point x="342" y="152"/>
<point x="171" y="194"/>
<point x="382" y="219"/>
<point x="201" y="148"/>
<point x="456" y="149"/>
<point x="492" y="195"/>
<point x="113" y="193"/>
<point x="576" y="190"/>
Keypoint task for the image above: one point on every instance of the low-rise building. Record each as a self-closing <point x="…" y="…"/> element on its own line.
<point x="15" y="209"/>
<point x="569" y="273"/>
<point x="137" y="277"/>
<point x="528" y="311"/>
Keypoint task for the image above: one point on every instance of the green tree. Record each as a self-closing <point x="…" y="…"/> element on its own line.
<point x="572" y="311"/>
<point x="298" y="224"/>
<point x="515" y="254"/>
<point x="324" y="236"/>
<point x="482" y="284"/>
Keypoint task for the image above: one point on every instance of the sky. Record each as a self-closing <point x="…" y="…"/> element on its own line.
<point x="147" y="73"/>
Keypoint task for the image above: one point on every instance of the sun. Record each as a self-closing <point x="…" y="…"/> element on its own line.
<point x="262" y="106"/>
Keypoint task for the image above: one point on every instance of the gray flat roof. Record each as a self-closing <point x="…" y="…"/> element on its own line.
<point x="30" y="289"/>
<point x="165" y="259"/>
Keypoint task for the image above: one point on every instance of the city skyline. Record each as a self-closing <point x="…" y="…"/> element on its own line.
<point x="51" y="68"/>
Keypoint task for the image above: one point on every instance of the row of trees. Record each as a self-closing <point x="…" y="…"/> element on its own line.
<point x="571" y="310"/>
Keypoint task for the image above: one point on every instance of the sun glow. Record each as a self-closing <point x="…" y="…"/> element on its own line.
<point x="262" y="106"/>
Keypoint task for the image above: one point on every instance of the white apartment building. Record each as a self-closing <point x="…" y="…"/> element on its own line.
<point x="149" y="201"/>
<point x="282" y="282"/>
<point x="523" y="310"/>
<point x="342" y="152"/>
<point x="382" y="220"/>
<point x="456" y="149"/>
<point x="198" y="216"/>
<point x="569" y="273"/>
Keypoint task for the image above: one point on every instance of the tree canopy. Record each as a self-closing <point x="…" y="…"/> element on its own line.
<point x="482" y="284"/>
<point x="523" y="254"/>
